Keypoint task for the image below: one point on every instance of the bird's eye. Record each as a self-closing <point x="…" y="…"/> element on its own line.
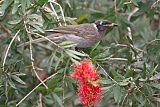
<point x="104" y="23"/>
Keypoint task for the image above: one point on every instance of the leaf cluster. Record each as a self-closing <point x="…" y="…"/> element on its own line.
<point x="39" y="74"/>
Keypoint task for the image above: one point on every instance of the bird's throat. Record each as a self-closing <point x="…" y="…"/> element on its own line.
<point x="95" y="26"/>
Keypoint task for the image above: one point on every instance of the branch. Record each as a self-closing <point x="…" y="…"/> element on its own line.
<point x="35" y="89"/>
<point x="32" y="59"/>
<point x="9" y="46"/>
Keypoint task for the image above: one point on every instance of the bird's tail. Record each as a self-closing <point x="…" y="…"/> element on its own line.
<point x="52" y="37"/>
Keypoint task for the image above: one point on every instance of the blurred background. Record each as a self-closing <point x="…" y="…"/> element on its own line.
<point x="127" y="59"/>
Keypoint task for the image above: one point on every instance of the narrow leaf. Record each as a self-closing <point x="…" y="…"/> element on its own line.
<point x="68" y="44"/>
<point x="59" y="101"/>
<point x="38" y="28"/>
<point x="16" y="78"/>
<point x="73" y="55"/>
<point x="117" y="94"/>
<point x="15" y="6"/>
<point x="76" y="53"/>
<point x="13" y="22"/>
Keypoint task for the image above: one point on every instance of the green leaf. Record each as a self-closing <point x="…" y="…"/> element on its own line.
<point x="51" y="60"/>
<point x="129" y="72"/>
<point x="5" y="5"/>
<point x="104" y="81"/>
<point x="33" y="16"/>
<point x="94" y="83"/>
<point x="59" y="101"/>
<point x="41" y="2"/>
<point x="73" y="55"/>
<point x="156" y="99"/>
<point x="71" y="20"/>
<point x="144" y="70"/>
<point x="58" y="61"/>
<point x="124" y="83"/>
<point x="36" y="23"/>
<point x="58" y="89"/>
<point x="155" y="77"/>
<point x="37" y="27"/>
<point x="20" y="74"/>
<point x="139" y="98"/>
<point x="95" y="46"/>
<point x="117" y="94"/>
<point x="67" y="44"/>
<point x="15" y="6"/>
<point x="16" y="78"/>
<point x="12" y="84"/>
<point x="76" y="52"/>
<point x="13" y="22"/>
<point x="23" y="3"/>
<point x="106" y="88"/>
<point x="135" y="2"/>
<point x="106" y="94"/>
<point x="81" y="18"/>
<point x="155" y="85"/>
<point x="117" y="76"/>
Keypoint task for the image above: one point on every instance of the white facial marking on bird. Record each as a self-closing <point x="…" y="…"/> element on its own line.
<point x="95" y="26"/>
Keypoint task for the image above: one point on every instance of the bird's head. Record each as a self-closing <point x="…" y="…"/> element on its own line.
<point x="104" y="24"/>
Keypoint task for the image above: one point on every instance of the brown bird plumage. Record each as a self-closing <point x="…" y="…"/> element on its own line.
<point x="84" y="35"/>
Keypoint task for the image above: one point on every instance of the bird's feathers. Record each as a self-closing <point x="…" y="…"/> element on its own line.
<point x="84" y="35"/>
<point x="82" y="30"/>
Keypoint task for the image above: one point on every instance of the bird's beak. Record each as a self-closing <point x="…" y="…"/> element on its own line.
<point x="112" y="24"/>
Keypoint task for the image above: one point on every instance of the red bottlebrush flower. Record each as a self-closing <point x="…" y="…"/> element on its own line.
<point x="84" y="70"/>
<point x="88" y="94"/>
<point x="89" y="89"/>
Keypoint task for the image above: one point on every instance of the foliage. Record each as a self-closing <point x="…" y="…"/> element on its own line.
<point x="39" y="74"/>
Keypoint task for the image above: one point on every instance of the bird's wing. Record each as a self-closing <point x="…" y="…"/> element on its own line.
<point x="65" y="30"/>
<point x="86" y="31"/>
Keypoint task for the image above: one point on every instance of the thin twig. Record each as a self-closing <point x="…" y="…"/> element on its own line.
<point x="62" y="13"/>
<point x="107" y="74"/>
<point x="63" y="82"/>
<point x="39" y="102"/>
<point x="33" y="33"/>
<point x="153" y="5"/>
<point x="35" y="88"/>
<point x="9" y="46"/>
<point x="137" y="88"/>
<point x="119" y="59"/>
<point x="115" y="10"/>
<point x="132" y="13"/>
<point x="129" y="18"/>
<point x="32" y="63"/>
<point x="122" y="45"/>
<point x="31" y="56"/>
<point x="109" y="88"/>
<point x="124" y="99"/>
<point x="5" y="29"/>
<point x="54" y="11"/>
<point x="153" y="41"/>
<point x="112" y="59"/>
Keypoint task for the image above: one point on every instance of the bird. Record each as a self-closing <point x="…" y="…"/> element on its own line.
<point x="83" y="35"/>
